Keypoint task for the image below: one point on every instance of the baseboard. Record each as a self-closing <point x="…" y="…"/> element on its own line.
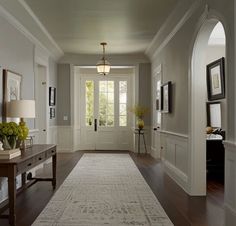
<point x="177" y="175"/>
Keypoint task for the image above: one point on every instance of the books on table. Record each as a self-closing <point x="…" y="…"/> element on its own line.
<point x="9" y="154"/>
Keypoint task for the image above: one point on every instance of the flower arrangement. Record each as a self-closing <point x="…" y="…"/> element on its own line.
<point x="12" y="134"/>
<point x="139" y="112"/>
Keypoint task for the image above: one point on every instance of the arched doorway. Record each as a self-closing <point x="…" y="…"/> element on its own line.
<point x="199" y="98"/>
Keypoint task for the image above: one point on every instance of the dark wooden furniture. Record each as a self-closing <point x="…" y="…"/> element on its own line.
<point x="30" y="158"/>
<point x="140" y="132"/>
<point x="215" y="159"/>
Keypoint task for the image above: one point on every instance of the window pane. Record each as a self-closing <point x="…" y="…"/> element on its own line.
<point x="123" y="121"/>
<point x="123" y="110"/>
<point x="110" y="86"/>
<point x="102" y="86"/>
<point x="106" y="103"/>
<point x="123" y="103"/>
<point x="123" y="87"/>
<point x="123" y="98"/>
<point x="110" y="109"/>
<point x="89" y="89"/>
<point x="110" y="98"/>
<point x="110" y="120"/>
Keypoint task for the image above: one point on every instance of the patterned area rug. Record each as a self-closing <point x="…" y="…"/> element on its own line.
<point x="104" y="189"/>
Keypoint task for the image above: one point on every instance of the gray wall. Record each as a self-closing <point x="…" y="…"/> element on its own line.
<point x="63" y="95"/>
<point x="53" y="83"/>
<point x="17" y="54"/>
<point x="144" y="98"/>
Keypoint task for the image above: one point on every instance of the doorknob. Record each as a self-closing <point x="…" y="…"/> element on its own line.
<point x="95" y="124"/>
<point x="155" y="129"/>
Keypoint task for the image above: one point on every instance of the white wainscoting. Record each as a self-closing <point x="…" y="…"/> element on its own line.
<point x="230" y="183"/>
<point x="65" y="141"/>
<point x="175" y="157"/>
<point x="52" y="135"/>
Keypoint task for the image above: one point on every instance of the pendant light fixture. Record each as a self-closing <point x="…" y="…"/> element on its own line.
<point x="103" y="66"/>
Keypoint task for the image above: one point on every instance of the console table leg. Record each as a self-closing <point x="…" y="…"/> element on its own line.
<point x="54" y="170"/>
<point x="12" y="195"/>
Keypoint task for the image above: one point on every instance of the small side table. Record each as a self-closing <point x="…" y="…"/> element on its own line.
<point x="140" y="132"/>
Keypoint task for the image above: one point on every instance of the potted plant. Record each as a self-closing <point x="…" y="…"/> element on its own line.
<point x="139" y="112"/>
<point x="12" y="135"/>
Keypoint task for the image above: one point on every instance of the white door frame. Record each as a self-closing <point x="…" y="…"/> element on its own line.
<point x="197" y="138"/>
<point x="43" y="61"/>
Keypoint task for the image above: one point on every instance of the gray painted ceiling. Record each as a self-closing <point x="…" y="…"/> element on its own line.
<point x="78" y="26"/>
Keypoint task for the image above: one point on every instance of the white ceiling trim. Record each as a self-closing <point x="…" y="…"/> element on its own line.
<point x="14" y="22"/>
<point x="35" y="18"/>
<point x="155" y="48"/>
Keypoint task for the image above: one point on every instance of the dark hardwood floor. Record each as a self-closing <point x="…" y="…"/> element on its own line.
<point x="182" y="209"/>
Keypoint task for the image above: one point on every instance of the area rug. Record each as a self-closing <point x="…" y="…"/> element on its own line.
<point x="104" y="189"/>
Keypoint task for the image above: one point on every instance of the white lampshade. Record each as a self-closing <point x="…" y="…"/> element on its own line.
<point x="21" y="109"/>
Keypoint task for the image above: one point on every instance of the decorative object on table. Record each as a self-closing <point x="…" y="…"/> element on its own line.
<point x="22" y="109"/>
<point x="52" y="113"/>
<point x="166" y="97"/>
<point x="103" y="65"/>
<point x="11" y="136"/>
<point x="216" y="80"/>
<point x="209" y="130"/>
<point x="139" y="112"/>
<point x="214" y="114"/>
<point x="11" y="90"/>
<point x="52" y="96"/>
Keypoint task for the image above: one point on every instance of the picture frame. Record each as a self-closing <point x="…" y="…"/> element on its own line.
<point x="52" y="113"/>
<point x="214" y="114"/>
<point x="52" y="96"/>
<point x="166" y="97"/>
<point x="216" y="79"/>
<point x="12" y="83"/>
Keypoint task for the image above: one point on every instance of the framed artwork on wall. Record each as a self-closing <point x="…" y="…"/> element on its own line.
<point x="52" y="113"/>
<point x="166" y="98"/>
<point x="216" y="80"/>
<point x="52" y="96"/>
<point x="214" y="114"/>
<point x="11" y="89"/>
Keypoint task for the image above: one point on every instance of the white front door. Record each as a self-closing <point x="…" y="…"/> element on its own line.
<point x="156" y="120"/>
<point x="105" y="123"/>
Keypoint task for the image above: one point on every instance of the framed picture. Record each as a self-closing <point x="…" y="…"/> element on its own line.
<point x="52" y="113"/>
<point x="52" y="96"/>
<point x="214" y="114"/>
<point x="11" y="89"/>
<point x="216" y="80"/>
<point x="166" y="97"/>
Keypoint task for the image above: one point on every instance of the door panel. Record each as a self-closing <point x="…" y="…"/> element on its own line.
<point x="105" y="100"/>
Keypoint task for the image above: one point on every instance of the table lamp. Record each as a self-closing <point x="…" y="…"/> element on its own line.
<point x="21" y="109"/>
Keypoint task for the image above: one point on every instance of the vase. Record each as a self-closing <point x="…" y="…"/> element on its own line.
<point x="140" y="124"/>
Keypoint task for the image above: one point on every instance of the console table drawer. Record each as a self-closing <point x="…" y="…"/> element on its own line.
<point x="26" y="165"/>
<point x="50" y="153"/>
<point x="40" y="158"/>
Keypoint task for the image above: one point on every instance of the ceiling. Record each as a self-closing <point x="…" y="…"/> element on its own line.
<point x="78" y="26"/>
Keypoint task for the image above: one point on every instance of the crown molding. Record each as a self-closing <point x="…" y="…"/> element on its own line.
<point x="47" y="44"/>
<point x="158" y="42"/>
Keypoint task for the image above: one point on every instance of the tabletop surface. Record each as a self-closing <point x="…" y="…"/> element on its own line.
<point x="29" y="153"/>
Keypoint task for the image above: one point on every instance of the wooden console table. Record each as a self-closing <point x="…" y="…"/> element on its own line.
<point x="30" y="158"/>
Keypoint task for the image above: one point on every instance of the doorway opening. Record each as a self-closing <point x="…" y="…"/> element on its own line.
<point x="207" y="151"/>
<point x="103" y="115"/>
<point x="41" y="102"/>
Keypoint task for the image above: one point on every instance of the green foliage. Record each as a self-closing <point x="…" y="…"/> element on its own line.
<point x="139" y="111"/>
<point x="11" y="134"/>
